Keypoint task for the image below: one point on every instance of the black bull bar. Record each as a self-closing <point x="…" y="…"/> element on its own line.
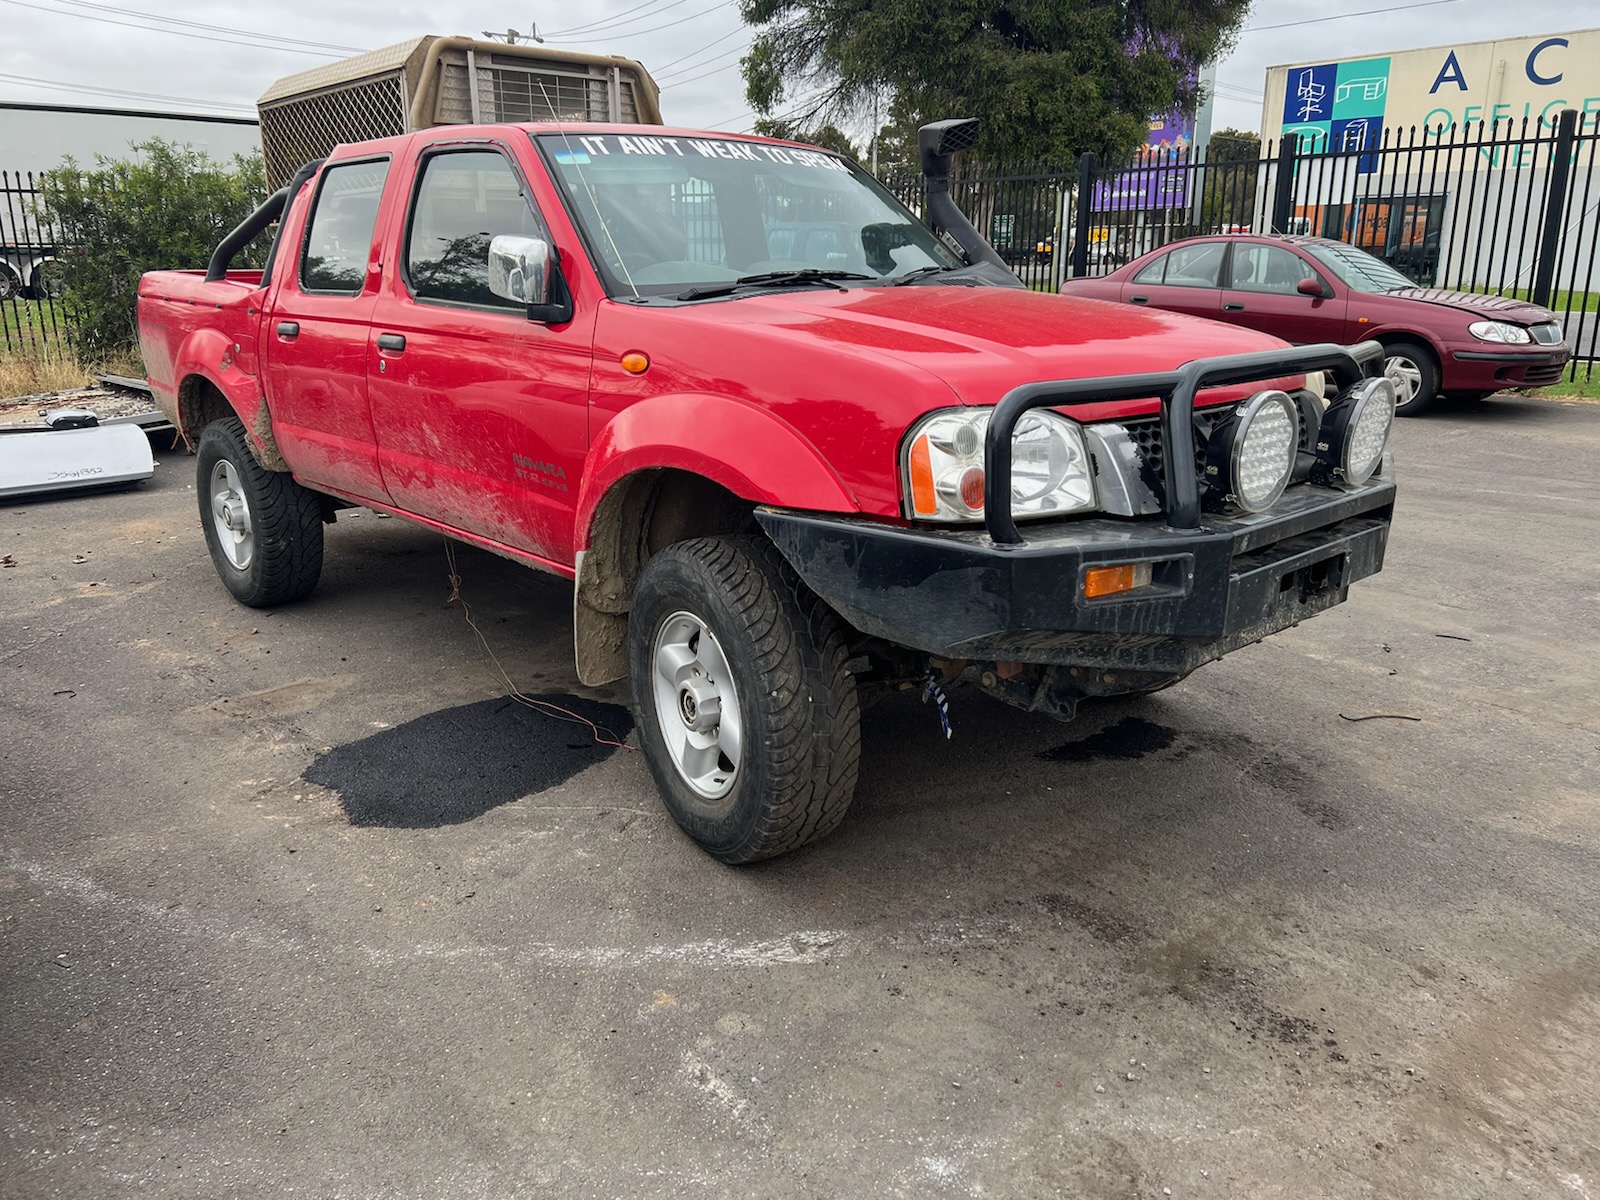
<point x="1176" y="390"/>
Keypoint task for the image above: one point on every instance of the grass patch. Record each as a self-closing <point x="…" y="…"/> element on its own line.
<point x="53" y="367"/>
<point x="1575" y="389"/>
<point x="31" y="325"/>
<point x="33" y="374"/>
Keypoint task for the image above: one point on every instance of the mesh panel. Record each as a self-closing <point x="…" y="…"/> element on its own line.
<point x="308" y="127"/>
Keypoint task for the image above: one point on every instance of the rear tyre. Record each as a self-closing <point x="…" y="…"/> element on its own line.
<point x="48" y="282"/>
<point x="747" y="715"/>
<point x="10" y="285"/>
<point x="263" y="529"/>
<point x="1415" y="376"/>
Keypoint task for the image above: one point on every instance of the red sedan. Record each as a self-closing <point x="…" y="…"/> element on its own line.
<point x="1306" y="289"/>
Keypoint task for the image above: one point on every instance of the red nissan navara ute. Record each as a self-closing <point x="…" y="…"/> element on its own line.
<point x="790" y="443"/>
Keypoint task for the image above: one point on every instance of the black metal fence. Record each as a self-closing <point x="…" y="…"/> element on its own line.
<point x="1502" y="208"/>
<point x="33" y="318"/>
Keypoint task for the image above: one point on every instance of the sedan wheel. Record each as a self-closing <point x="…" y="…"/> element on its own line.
<point x="1416" y="380"/>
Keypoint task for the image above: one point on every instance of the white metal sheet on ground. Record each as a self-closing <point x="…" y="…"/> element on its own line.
<point x="61" y="459"/>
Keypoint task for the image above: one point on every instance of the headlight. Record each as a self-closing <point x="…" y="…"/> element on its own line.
<point x="1354" y="431"/>
<point x="1251" y="454"/>
<point x="944" y="478"/>
<point x="1499" y="331"/>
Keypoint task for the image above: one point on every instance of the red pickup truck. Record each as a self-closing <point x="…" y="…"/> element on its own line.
<point x="790" y="443"/>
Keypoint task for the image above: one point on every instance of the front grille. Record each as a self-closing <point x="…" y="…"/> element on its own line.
<point x="1548" y="334"/>
<point x="1146" y="434"/>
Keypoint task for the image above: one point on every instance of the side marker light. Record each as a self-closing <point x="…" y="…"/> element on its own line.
<point x="1108" y="581"/>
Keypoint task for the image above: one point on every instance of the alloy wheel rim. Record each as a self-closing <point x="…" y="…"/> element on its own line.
<point x="230" y="516"/>
<point x="1406" y="377"/>
<point x="697" y="709"/>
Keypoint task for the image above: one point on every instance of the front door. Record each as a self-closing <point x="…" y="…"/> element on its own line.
<point x="482" y="414"/>
<point x="1262" y="293"/>
<point x="315" y="339"/>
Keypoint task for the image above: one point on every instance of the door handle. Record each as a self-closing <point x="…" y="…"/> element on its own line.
<point x="1233" y="308"/>
<point x="288" y="330"/>
<point x="391" y="341"/>
<point x="1138" y="299"/>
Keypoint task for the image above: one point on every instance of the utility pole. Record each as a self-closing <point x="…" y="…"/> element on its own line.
<point x="876" y="125"/>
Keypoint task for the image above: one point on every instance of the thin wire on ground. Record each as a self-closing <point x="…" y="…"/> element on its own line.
<point x="533" y="702"/>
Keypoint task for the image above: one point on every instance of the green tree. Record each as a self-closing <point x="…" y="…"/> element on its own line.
<point x="1049" y="78"/>
<point x="1232" y="162"/>
<point x="167" y="206"/>
<point x="828" y="136"/>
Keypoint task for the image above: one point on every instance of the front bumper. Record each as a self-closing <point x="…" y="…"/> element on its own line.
<point x="1474" y="370"/>
<point x="958" y="594"/>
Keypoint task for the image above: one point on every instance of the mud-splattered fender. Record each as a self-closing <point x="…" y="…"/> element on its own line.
<point x="738" y="445"/>
<point x="228" y="366"/>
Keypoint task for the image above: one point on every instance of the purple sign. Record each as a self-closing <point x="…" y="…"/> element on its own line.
<point x="1159" y="177"/>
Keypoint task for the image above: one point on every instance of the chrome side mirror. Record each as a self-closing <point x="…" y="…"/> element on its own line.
<point x="519" y="269"/>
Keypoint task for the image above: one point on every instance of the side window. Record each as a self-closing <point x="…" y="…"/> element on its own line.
<point x="1154" y="272"/>
<point x="1258" y="268"/>
<point x="1195" y="266"/>
<point x="465" y="199"/>
<point x="339" y="234"/>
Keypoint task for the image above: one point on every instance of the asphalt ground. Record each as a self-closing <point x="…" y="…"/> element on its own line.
<point x="298" y="903"/>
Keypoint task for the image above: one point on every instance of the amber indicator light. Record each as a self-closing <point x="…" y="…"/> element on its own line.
<point x="635" y="363"/>
<point x="1108" y="581"/>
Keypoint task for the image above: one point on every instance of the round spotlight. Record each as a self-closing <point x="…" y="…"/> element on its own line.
<point x="1250" y="456"/>
<point x="1355" y="429"/>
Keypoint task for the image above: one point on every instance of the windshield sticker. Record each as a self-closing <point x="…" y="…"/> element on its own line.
<point x="590" y="147"/>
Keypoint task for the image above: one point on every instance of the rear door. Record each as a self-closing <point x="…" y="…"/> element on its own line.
<point x="482" y="414"/>
<point x="1262" y="293"/>
<point x="314" y="341"/>
<point x="1185" y="279"/>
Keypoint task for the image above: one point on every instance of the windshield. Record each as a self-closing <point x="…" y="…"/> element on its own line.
<point x="664" y="214"/>
<point x="1356" y="268"/>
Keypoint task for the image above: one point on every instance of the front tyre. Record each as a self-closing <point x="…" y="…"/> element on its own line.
<point x="1411" y="369"/>
<point x="263" y="529"/>
<point x="747" y="715"/>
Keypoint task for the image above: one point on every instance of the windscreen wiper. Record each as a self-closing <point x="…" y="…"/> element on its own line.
<point x="922" y="273"/>
<point x="772" y="279"/>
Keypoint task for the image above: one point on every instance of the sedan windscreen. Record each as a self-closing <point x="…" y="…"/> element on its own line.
<point x="664" y="214"/>
<point x="1358" y="269"/>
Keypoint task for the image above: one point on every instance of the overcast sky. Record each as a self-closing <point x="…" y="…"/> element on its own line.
<point x="175" y="54"/>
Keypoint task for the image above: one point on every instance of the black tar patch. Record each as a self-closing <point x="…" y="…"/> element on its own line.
<point x="457" y="764"/>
